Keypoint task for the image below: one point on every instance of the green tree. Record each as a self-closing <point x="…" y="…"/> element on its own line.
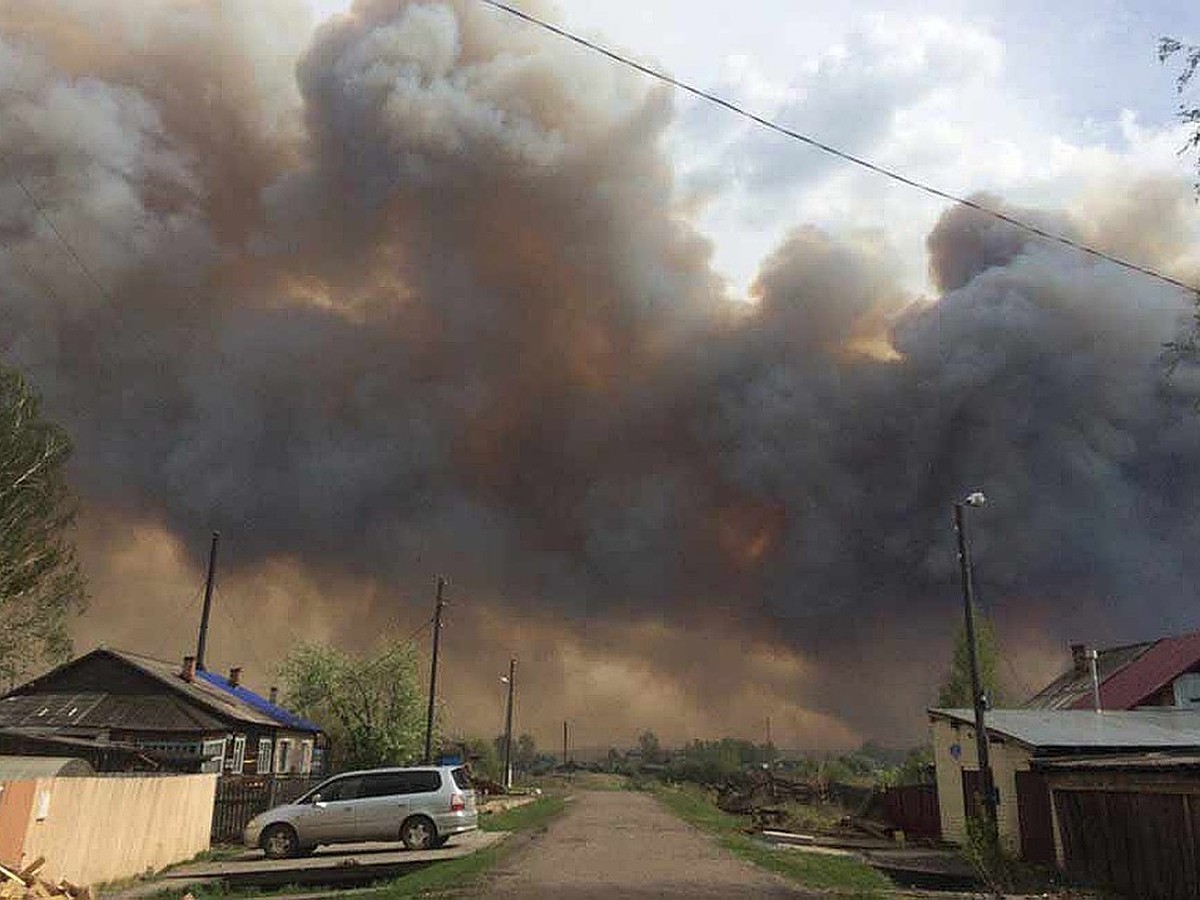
<point x="372" y="706"/>
<point x="955" y="691"/>
<point x="649" y="746"/>
<point x="1170" y="49"/>
<point x="40" y="581"/>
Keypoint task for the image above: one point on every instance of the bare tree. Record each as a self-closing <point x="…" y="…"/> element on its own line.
<point x="40" y="581"/>
<point x="1169" y="49"/>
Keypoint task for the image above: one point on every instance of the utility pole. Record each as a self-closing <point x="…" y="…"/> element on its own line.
<point x="202" y="641"/>
<point x="564" y="762"/>
<point x="986" y="787"/>
<point x="433" y="667"/>
<point x="508" y="717"/>
<point x="768" y="731"/>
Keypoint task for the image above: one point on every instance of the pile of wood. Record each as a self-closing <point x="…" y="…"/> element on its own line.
<point x="760" y="788"/>
<point x="25" y="885"/>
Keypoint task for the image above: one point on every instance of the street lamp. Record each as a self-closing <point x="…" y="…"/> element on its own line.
<point x="975" y="499"/>
<point x="511" y="681"/>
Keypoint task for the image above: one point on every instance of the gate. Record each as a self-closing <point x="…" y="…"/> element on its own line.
<point x="913" y="808"/>
<point x="1037" y="821"/>
<point x="240" y="798"/>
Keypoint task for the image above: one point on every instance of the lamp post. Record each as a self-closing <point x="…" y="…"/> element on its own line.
<point x="511" y="681"/>
<point x="986" y="787"/>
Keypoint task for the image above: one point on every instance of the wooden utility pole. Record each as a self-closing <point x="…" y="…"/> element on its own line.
<point x="202" y="640"/>
<point x="433" y="668"/>
<point x="986" y="785"/>
<point x="564" y="762"/>
<point x="508" y="719"/>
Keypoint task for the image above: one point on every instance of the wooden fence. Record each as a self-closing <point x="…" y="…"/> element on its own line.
<point x="913" y="808"/>
<point x="1141" y="844"/>
<point x="241" y="797"/>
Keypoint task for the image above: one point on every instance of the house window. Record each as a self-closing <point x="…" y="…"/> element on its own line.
<point x="264" y="756"/>
<point x="212" y="755"/>
<point x="238" y="757"/>
<point x="306" y="753"/>
<point x="1187" y="690"/>
<point x="283" y="748"/>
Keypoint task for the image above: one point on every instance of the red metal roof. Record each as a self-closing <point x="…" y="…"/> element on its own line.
<point x="1153" y="670"/>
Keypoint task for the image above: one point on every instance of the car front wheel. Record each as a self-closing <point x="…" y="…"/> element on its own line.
<point x="418" y="833"/>
<point x="279" y="842"/>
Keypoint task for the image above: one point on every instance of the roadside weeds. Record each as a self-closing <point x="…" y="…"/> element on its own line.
<point x="837" y="876"/>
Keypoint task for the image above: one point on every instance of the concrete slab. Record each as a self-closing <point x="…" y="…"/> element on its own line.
<point x="343" y="863"/>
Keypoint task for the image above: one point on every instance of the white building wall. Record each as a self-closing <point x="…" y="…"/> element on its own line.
<point x="953" y="751"/>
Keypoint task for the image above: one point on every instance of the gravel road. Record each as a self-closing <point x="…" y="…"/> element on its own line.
<point x="621" y="845"/>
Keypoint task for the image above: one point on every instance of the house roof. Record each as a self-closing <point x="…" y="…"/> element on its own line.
<point x="205" y="703"/>
<point x="1149" y="761"/>
<point x="1129" y="675"/>
<point x="259" y="703"/>
<point x="1067" y="729"/>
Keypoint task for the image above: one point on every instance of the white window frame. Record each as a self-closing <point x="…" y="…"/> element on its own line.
<point x="1187" y="690"/>
<point x="266" y="756"/>
<point x="306" y="757"/>
<point x="283" y="748"/>
<point x="212" y="755"/>
<point x="238" y="755"/>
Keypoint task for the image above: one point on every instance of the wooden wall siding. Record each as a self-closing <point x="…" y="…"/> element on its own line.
<point x="1142" y="845"/>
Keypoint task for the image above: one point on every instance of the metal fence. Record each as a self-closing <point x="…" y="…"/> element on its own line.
<point x="241" y="797"/>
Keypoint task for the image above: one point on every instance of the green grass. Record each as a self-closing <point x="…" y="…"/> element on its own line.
<point x="841" y="876"/>
<point x="436" y="880"/>
<point x="524" y="818"/>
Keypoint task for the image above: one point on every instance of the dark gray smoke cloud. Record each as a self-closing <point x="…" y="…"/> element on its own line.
<point x="425" y="303"/>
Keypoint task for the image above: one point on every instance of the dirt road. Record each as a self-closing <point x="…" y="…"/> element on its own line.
<point x="621" y="845"/>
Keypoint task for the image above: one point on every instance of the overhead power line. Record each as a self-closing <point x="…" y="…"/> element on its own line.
<point x="834" y="151"/>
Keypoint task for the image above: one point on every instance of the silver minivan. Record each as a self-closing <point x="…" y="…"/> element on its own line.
<point x="422" y="806"/>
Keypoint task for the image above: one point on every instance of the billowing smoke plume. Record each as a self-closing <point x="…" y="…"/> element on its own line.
<point x="417" y="298"/>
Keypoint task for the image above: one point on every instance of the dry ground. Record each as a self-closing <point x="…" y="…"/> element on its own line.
<point x="625" y="846"/>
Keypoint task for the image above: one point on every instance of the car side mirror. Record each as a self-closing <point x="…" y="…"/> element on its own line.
<point x="316" y="800"/>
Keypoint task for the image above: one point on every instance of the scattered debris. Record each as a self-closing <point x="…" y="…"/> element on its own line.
<point x="25" y="885"/>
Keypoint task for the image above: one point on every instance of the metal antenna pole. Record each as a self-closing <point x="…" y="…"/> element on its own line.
<point x="433" y="669"/>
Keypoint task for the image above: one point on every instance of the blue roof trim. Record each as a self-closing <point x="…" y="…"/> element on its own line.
<point x="263" y="705"/>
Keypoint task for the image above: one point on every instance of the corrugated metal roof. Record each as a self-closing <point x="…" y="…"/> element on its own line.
<point x="274" y="710"/>
<point x="24" y="768"/>
<point x="1073" y="690"/>
<point x="1153" y="670"/>
<point x="199" y="689"/>
<point x="204" y="703"/>
<point x="1052" y="729"/>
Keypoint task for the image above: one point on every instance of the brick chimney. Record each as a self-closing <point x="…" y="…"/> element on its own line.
<point x="188" y="673"/>
<point x="235" y="676"/>
<point x="1079" y="658"/>
<point x="274" y="695"/>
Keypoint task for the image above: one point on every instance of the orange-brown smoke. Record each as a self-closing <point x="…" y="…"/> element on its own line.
<point x="414" y="294"/>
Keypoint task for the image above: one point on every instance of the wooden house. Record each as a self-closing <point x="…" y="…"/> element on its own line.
<point x="123" y="711"/>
